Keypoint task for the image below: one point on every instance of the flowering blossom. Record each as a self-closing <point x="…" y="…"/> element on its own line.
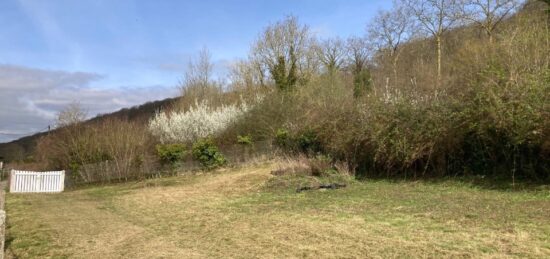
<point x="199" y="121"/>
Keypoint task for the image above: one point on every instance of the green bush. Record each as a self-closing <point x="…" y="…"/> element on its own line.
<point x="282" y="138"/>
<point x="244" y="140"/>
<point x="308" y="142"/>
<point x="208" y="154"/>
<point x="171" y="153"/>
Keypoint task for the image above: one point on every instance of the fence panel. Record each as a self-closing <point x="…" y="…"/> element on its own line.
<point x="28" y="181"/>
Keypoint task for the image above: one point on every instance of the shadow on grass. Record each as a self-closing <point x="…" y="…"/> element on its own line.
<point x="475" y="181"/>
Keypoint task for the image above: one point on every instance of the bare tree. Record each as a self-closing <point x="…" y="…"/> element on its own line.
<point x="435" y="17"/>
<point x="358" y="52"/>
<point x="488" y="14"/>
<point x="199" y="70"/>
<point x="241" y="75"/>
<point x="246" y="74"/>
<point x="284" y="51"/>
<point x="332" y="53"/>
<point x="70" y="115"/>
<point x="198" y="81"/>
<point x="389" y="30"/>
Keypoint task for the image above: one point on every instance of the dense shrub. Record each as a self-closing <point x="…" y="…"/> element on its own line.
<point x="306" y="142"/>
<point x="282" y="139"/>
<point x="171" y="153"/>
<point x="98" y="152"/>
<point x="490" y="117"/>
<point x="506" y="123"/>
<point x="208" y="154"/>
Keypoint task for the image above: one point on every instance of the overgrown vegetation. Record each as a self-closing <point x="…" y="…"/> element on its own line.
<point x="483" y="110"/>
<point x="101" y="152"/>
<point x="435" y="88"/>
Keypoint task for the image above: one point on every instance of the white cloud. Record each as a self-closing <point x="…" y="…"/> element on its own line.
<point x="30" y="98"/>
<point x="17" y="78"/>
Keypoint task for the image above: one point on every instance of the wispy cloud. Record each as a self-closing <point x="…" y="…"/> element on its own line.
<point x="21" y="78"/>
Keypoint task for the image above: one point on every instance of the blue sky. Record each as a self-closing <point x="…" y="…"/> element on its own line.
<point x="111" y="54"/>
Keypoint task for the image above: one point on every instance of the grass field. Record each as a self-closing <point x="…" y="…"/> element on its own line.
<point x="239" y="213"/>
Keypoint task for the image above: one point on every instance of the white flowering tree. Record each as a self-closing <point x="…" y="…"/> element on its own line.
<point x="200" y="121"/>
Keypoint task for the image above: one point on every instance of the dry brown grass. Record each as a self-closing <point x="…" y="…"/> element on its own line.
<point x="231" y="214"/>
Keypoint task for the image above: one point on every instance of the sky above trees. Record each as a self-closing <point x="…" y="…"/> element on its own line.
<point x="113" y="54"/>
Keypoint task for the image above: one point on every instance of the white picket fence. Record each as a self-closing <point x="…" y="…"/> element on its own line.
<point x="28" y="181"/>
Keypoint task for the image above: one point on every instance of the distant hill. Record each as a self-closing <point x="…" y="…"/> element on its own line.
<point x="22" y="148"/>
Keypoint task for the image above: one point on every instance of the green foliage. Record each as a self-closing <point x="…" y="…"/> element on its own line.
<point x="506" y="122"/>
<point x="285" y="80"/>
<point x="171" y="153"/>
<point x="548" y="3"/>
<point x="244" y="140"/>
<point x="282" y="138"/>
<point x="306" y="142"/>
<point x="208" y="154"/>
<point x="362" y="82"/>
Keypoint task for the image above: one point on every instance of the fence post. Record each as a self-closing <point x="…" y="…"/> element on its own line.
<point x="12" y="179"/>
<point x="62" y="187"/>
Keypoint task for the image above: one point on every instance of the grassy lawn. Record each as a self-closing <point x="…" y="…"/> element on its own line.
<point x="238" y="213"/>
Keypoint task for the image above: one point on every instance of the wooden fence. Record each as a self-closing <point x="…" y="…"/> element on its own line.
<point x="28" y="181"/>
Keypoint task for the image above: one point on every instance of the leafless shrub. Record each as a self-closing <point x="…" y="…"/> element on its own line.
<point x="122" y="149"/>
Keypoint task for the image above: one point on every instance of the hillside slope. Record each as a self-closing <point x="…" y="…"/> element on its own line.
<point x="22" y="148"/>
